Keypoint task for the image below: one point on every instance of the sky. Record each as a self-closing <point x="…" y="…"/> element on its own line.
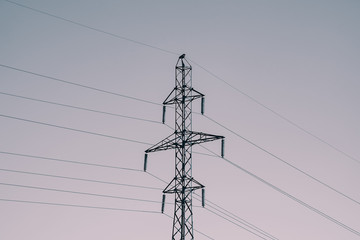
<point x="81" y="88"/>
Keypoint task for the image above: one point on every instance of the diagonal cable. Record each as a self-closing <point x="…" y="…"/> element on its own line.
<point x="206" y="70"/>
<point x="288" y="195"/>
<point x="79" y="193"/>
<point x="77" y="206"/>
<point x="292" y="123"/>
<point x="223" y="126"/>
<point x="78" y="84"/>
<point x="69" y="161"/>
<point x="245" y="223"/>
<point x="78" y="179"/>
<point x="253" y="227"/>
<point x="74" y="129"/>
<point x="283" y="161"/>
<point x="79" y="108"/>
<point x="92" y="28"/>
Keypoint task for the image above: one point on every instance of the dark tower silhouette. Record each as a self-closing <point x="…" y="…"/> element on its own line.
<point x="183" y="184"/>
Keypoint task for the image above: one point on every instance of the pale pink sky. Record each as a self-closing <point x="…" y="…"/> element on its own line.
<point x="299" y="58"/>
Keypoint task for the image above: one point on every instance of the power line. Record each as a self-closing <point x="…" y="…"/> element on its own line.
<point x="81" y="163"/>
<point x="267" y="183"/>
<point x="270" y="109"/>
<point x="235" y="218"/>
<point x="92" y="28"/>
<point x="69" y="161"/>
<point x="80" y="193"/>
<point x="151" y="102"/>
<point x="79" y="179"/>
<point x="283" y="161"/>
<point x="76" y="130"/>
<point x="80" y="108"/>
<point x="238" y="90"/>
<point x="278" y="114"/>
<point x="236" y="224"/>
<point x="247" y="140"/>
<point x="288" y="195"/>
<point x="78" y="206"/>
<point x="195" y="63"/>
<point x="249" y="173"/>
<point x="84" y="193"/>
<point x="96" y="111"/>
<point x="77" y="84"/>
<point x="253" y="227"/>
<point x="284" y="193"/>
<point x="235" y="133"/>
<point x="205" y="235"/>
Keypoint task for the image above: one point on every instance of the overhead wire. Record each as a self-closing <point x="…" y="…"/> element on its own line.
<point x="247" y="224"/>
<point x="251" y="174"/>
<point x="78" y="84"/>
<point x="252" y="232"/>
<point x="74" y="129"/>
<point x="236" y="217"/>
<point x="69" y="161"/>
<point x="92" y="28"/>
<point x="282" y="192"/>
<point x="205" y="235"/>
<point x="91" y="110"/>
<point x="225" y="212"/>
<point x="77" y="206"/>
<point x="79" y="108"/>
<point x="83" y="206"/>
<point x="290" y="196"/>
<point x="270" y="109"/>
<point x="260" y="233"/>
<point x="292" y="123"/>
<point x="287" y="194"/>
<point x="200" y="66"/>
<point x="83" y="193"/>
<point x="79" y="179"/>
<point x="283" y="161"/>
<point x="211" y="119"/>
<point x="79" y="193"/>
<point x="76" y="162"/>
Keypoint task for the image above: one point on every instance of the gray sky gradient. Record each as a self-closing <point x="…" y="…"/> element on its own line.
<point x="299" y="58"/>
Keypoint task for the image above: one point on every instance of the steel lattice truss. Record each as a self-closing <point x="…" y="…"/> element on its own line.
<point x="183" y="184"/>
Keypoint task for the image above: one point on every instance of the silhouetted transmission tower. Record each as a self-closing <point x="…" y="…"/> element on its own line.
<point x="182" y="140"/>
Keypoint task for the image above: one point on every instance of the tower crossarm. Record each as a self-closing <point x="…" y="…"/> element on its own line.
<point x="191" y="138"/>
<point x="199" y="137"/>
<point x="191" y="185"/>
<point x="167" y="143"/>
<point x="176" y="96"/>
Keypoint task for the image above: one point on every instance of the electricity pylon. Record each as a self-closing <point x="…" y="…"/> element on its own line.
<point x="183" y="184"/>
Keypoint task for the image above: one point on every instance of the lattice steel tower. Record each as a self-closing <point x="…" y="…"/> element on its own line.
<point x="183" y="184"/>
